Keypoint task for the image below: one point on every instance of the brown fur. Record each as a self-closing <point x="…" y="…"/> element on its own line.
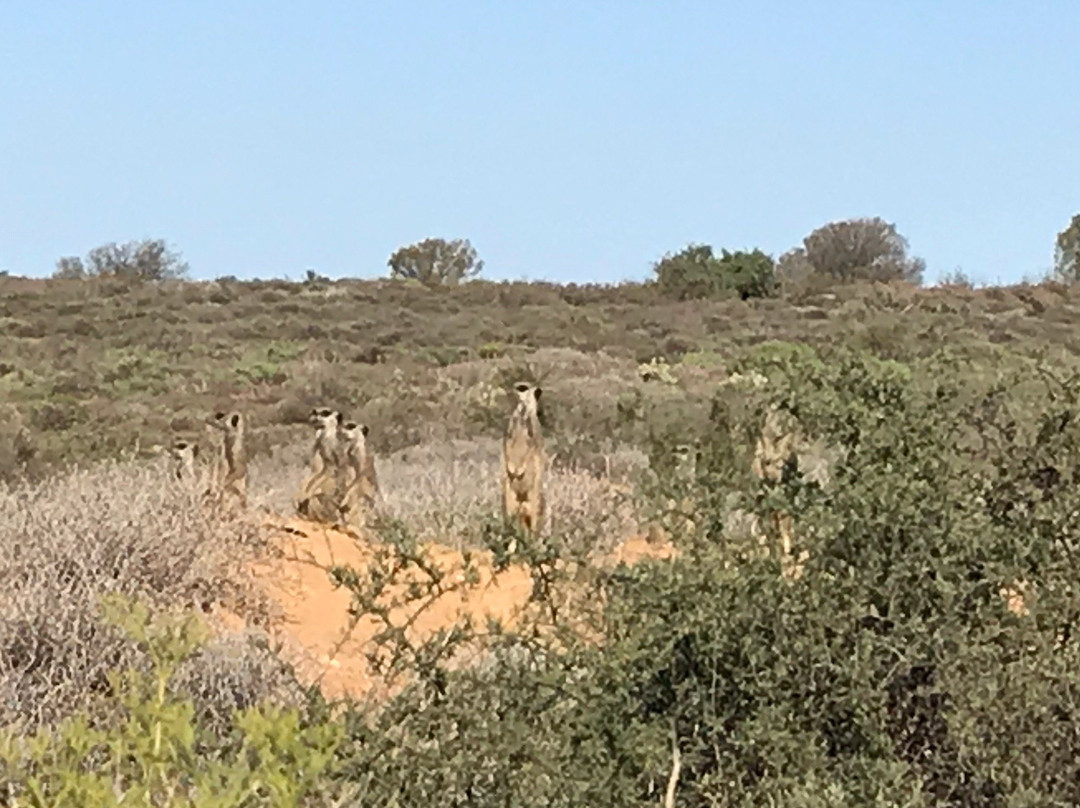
<point x="777" y="446"/>
<point x="229" y="486"/>
<point x="524" y="462"/>
<point x="215" y="440"/>
<point x="361" y="495"/>
<point x="321" y="490"/>
<point x="184" y="454"/>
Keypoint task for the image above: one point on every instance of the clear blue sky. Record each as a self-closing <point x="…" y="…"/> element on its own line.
<point x="568" y="140"/>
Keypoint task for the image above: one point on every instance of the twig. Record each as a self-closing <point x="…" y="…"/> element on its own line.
<point x="676" y="767"/>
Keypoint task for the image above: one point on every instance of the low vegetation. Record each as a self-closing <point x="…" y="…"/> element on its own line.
<point x="916" y="646"/>
<point x="695" y="272"/>
<point x="93" y="368"/>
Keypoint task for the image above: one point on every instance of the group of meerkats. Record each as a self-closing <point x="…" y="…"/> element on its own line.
<point x="341" y="486"/>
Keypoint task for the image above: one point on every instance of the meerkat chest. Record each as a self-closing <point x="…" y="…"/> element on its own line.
<point x="520" y="443"/>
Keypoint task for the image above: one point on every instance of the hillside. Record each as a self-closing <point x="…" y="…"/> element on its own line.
<point x="654" y="638"/>
<point x="93" y="369"/>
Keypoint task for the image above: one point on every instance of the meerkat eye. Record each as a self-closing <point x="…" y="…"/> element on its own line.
<point x="521" y="387"/>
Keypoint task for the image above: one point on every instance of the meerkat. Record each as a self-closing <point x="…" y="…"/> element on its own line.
<point x="361" y="493"/>
<point x="685" y="476"/>
<point x="524" y="461"/>
<point x="320" y="493"/>
<point x="214" y="440"/>
<point x="183" y="454"/>
<point x="679" y="512"/>
<point x="230" y="475"/>
<point x="776" y="447"/>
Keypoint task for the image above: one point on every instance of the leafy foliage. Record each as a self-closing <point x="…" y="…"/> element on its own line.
<point x="896" y="669"/>
<point x="695" y="272"/>
<point x="1067" y="252"/>
<point x="147" y="260"/>
<point x="435" y="262"/>
<point x="866" y="249"/>
<point x="893" y="671"/>
<point x="153" y="752"/>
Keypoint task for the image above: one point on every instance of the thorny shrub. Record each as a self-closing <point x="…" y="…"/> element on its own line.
<point x="896" y="670"/>
<point x="892" y="671"/>
<point x="116" y="528"/>
<point x="153" y="751"/>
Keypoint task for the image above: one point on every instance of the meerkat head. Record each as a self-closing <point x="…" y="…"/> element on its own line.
<point x="354" y="431"/>
<point x="227" y="421"/>
<point x="355" y="436"/>
<point x="325" y="418"/>
<point x="685" y="458"/>
<point x="182" y="448"/>
<point x="183" y="453"/>
<point x="527" y="394"/>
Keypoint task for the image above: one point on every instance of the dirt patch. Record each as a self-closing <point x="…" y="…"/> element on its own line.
<point x="311" y="616"/>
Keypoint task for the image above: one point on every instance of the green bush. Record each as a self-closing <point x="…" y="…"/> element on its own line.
<point x="146" y="260"/>
<point x="851" y="250"/>
<point x="891" y="672"/>
<point x="436" y="261"/>
<point x="695" y="272"/>
<point x="153" y="753"/>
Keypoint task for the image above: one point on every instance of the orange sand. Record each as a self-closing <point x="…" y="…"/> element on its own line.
<point x="312" y="619"/>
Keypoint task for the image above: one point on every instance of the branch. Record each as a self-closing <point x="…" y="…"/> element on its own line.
<point x="676" y="767"/>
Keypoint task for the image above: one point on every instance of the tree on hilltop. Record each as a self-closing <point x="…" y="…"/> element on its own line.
<point x="436" y="262"/>
<point x="696" y="272"/>
<point x="146" y="260"/>
<point x="854" y="249"/>
<point x="1067" y="252"/>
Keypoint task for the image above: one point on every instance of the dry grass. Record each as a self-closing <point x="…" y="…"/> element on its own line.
<point x="117" y="527"/>
<point x="123" y="527"/>
<point x="85" y="367"/>
<point x="445" y="491"/>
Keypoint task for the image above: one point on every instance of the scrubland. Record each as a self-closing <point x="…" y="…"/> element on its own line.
<point x="924" y="655"/>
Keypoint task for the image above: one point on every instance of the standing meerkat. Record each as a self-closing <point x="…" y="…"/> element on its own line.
<point x="230" y="476"/>
<point x="183" y="454"/>
<point x="361" y="494"/>
<point x="320" y="492"/>
<point x="215" y="440"/>
<point x="777" y="446"/>
<point x="524" y="461"/>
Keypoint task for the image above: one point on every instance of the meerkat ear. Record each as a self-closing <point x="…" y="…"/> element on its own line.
<point x="537" y="393"/>
<point x="236" y="420"/>
<point x="364" y="429"/>
<point x="340" y="418"/>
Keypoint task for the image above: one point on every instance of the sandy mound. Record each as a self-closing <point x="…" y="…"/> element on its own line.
<point x="312" y="620"/>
